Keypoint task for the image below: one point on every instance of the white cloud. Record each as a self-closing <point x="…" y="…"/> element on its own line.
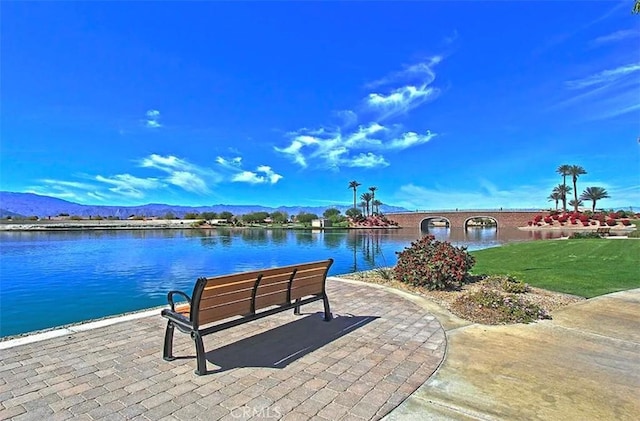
<point x="605" y="94"/>
<point x="356" y="148"/>
<point x="294" y="149"/>
<point x="347" y="118"/>
<point x="229" y="163"/>
<point x="410" y="139"/>
<point x="263" y="174"/>
<point x="153" y="119"/>
<point x="605" y="77"/>
<point x="188" y="181"/>
<point x="129" y="185"/>
<point x="60" y="184"/>
<point x="414" y="89"/>
<point x="397" y="93"/>
<point x="268" y="176"/>
<point x="368" y="160"/>
<point x="182" y="173"/>
<point x="616" y="37"/>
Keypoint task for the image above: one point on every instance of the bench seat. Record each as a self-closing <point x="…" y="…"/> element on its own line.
<point x="222" y="302"/>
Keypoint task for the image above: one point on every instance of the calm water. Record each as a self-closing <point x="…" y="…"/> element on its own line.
<point x="50" y="279"/>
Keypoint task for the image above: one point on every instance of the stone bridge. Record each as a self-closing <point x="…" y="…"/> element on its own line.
<point x="460" y="218"/>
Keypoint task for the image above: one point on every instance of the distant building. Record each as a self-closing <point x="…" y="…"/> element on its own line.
<point x="320" y="223"/>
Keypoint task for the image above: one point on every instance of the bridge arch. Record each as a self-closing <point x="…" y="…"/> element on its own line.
<point x="425" y="222"/>
<point x="467" y="222"/>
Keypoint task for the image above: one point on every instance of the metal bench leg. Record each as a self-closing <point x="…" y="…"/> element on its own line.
<point x="200" y="355"/>
<point x="296" y="309"/>
<point x="167" y="354"/>
<point x="327" y="310"/>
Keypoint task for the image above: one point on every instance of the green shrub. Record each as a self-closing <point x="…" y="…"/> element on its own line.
<point x="384" y="273"/>
<point x="515" y="286"/>
<point x="581" y="235"/>
<point x="433" y="264"/>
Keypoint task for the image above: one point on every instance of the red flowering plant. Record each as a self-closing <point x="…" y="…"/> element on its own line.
<point x="433" y="264"/>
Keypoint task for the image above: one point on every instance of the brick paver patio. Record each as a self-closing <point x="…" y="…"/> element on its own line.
<point x="378" y="350"/>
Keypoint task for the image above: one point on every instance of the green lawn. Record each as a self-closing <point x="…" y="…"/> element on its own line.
<point x="587" y="268"/>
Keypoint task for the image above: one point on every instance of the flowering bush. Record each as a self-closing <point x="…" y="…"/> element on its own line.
<point x="611" y="222"/>
<point x="537" y="218"/>
<point x="548" y="220"/>
<point x="626" y="222"/>
<point x="433" y="264"/>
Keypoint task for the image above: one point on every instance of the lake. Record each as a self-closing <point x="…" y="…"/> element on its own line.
<point x="52" y="278"/>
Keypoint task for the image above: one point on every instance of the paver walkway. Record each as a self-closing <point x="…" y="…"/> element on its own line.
<point x="379" y="349"/>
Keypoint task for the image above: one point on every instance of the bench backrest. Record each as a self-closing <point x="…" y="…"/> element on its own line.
<point x="245" y="293"/>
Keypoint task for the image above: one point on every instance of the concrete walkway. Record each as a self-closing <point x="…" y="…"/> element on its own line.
<point x="582" y="365"/>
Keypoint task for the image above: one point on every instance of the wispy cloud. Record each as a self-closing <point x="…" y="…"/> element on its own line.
<point x="62" y="184"/>
<point x="402" y="91"/>
<point x="604" y="94"/>
<point x="616" y="36"/>
<point x="605" y="77"/>
<point x="129" y="185"/>
<point x="152" y="120"/>
<point x="263" y="174"/>
<point x="368" y="160"/>
<point x="361" y="146"/>
<point x="182" y="173"/>
<point x="174" y="173"/>
<point x="354" y="149"/>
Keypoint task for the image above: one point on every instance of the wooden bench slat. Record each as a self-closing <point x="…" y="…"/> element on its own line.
<point x="266" y="300"/>
<point x="304" y="291"/>
<point x="213" y="314"/>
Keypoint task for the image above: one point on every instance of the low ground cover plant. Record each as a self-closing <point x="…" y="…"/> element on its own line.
<point x="494" y="306"/>
<point x="433" y="264"/>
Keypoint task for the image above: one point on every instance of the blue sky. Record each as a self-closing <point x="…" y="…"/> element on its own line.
<point x="439" y="105"/>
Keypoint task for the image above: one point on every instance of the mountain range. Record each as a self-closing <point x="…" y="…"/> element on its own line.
<point x="16" y="205"/>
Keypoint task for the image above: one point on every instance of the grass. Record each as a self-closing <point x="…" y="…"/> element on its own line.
<point x="586" y="268"/>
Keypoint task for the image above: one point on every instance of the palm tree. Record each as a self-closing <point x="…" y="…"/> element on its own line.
<point x="363" y="205"/>
<point x="563" y="170"/>
<point x="563" y="191"/>
<point x="354" y="185"/>
<point x="373" y="189"/>
<point x="575" y="203"/>
<point x="377" y="204"/>
<point x="576" y="171"/>
<point x="554" y="196"/>
<point x="366" y="197"/>
<point x="594" y="194"/>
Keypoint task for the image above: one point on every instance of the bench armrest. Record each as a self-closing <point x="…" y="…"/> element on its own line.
<point x="170" y="298"/>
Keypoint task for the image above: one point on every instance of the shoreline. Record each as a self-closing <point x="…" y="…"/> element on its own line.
<point x="153" y="224"/>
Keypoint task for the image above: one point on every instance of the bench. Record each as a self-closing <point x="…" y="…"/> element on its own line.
<point x="222" y="302"/>
<point x="604" y="231"/>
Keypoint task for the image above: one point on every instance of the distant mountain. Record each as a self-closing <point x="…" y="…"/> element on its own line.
<point x="30" y="204"/>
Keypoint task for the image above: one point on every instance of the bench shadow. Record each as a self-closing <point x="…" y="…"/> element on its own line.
<point x="279" y="346"/>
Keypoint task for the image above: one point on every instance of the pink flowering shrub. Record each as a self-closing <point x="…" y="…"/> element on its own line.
<point x="433" y="264"/>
